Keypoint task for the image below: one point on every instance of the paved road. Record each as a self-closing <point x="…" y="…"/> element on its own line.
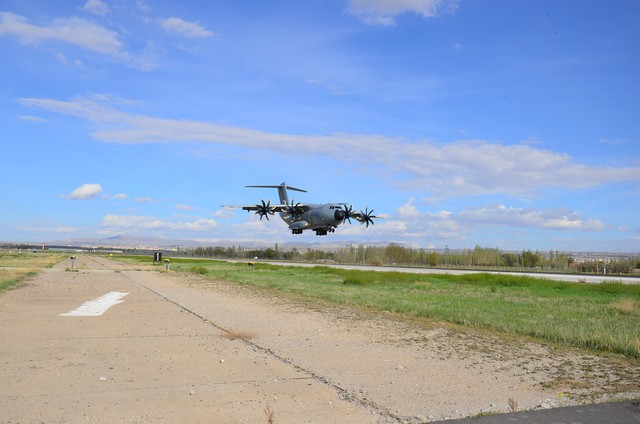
<point x="592" y="279"/>
<point x="605" y="413"/>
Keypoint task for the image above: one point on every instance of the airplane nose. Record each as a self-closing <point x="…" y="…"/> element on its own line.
<point x="339" y="215"/>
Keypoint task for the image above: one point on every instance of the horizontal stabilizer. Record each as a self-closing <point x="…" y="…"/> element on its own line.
<point x="282" y="190"/>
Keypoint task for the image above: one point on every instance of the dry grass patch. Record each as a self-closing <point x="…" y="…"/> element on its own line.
<point x="20" y="266"/>
<point x="30" y="260"/>
<point x="11" y="274"/>
<point x="625" y="305"/>
<point x="11" y="278"/>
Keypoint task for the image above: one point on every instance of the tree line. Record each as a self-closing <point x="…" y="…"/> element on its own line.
<point x="395" y="254"/>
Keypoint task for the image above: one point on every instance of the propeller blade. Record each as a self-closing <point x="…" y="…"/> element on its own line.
<point x="367" y="217"/>
<point x="294" y="211"/>
<point x="348" y="213"/>
<point x="264" y="209"/>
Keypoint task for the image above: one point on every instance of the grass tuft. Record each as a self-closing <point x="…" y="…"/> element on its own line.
<point x="270" y="414"/>
<point x="199" y="270"/>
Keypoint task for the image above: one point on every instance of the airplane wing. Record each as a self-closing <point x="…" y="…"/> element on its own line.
<point x="256" y="208"/>
<point x="264" y="209"/>
<point x="275" y="208"/>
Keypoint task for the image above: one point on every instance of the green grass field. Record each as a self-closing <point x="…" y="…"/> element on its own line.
<point x="599" y="317"/>
<point x="17" y="267"/>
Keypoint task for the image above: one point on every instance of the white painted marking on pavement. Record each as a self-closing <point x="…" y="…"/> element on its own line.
<point x="96" y="307"/>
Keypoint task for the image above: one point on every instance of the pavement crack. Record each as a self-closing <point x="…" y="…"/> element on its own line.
<point x="342" y="392"/>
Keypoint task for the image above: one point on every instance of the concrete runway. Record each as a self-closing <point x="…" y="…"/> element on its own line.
<point x="144" y="359"/>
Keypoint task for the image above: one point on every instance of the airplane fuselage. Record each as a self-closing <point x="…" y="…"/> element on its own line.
<point x="322" y="218"/>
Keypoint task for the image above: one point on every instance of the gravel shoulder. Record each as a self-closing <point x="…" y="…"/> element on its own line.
<point x="185" y="348"/>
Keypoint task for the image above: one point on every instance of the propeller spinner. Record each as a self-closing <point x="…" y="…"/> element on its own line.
<point x="366" y="217"/>
<point x="348" y="213"/>
<point x="294" y="210"/>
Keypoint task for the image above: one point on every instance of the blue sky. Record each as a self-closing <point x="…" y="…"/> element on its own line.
<point x="494" y="123"/>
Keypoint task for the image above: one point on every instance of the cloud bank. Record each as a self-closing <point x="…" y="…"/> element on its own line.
<point x="384" y="12"/>
<point x="442" y="170"/>
<point x="96" y="7"/>
<point x="83" y="33"/>
<point x="184" y="28"/>
<point x="76" y="31"/>
<point x="137" y="222"/>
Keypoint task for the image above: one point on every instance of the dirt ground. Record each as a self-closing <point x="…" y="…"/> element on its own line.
<point x="181" y="348"/>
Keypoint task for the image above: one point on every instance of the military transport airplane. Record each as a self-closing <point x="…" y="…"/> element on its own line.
<point x="321" y="218"/>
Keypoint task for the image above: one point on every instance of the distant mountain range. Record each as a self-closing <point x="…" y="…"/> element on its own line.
<point x="144" y="242"/>
<point x="124" y="241"/>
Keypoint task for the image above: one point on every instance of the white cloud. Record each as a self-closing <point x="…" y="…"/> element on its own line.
<point x="142" y="6"/>
<point x="552" y="218"/>
<point x="85" y="191"/>
<point x="182" y="207"/>
<point x="255" y="229"/>
<point x="74" y="31"/>
<point x="410" y="223"/>
<point x="62" y="229"/>
<point x="129" y="222"/>
<point x="408" y="209"/>
<point x="383" y="12"/>
<point x="335" y="89"/>
<point x="477" y="168"/>
<point x="73" y="62"/>
<point x="144" y="199"/>
<point x="96" y="7"/>
<point x="613" y="142"/>
<point x="30" y="118"/>
<point x="224" y="213"/>
<point x="119" y="196"/>
<point x="253" y="224"/>
<point x="594" y="225"/>
<point x="185" y="28"/>
<point x="393" y="227"/>
<point x="444" y="170"/>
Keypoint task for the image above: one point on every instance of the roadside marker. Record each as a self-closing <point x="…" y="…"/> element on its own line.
<point x="96" y="307"/>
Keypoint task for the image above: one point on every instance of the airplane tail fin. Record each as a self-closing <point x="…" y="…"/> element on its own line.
<point x="282" y="191"/>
